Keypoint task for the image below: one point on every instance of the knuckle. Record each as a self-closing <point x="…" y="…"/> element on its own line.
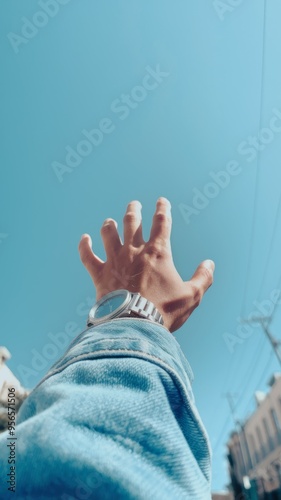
<point x="108" y="225"/>
<point x="131" y="252"/>
<point x="130" y="248"/>
<point x="197" y="293"/>
<point x="162" y="217"/>
<point x="85" y="258"/>
<point x="208" y="275"/>
<point x="155" y="249"/>
<point x="129" y="217"/>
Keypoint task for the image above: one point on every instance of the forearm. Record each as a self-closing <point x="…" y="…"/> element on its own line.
<point x="117" y="413"/>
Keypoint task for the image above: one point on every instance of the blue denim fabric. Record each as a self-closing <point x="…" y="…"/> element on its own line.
<point x="114" y="418"/>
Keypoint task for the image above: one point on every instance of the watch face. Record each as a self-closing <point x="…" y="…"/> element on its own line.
<point x="110" y="305"/>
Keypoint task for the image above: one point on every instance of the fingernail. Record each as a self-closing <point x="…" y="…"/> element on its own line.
<point x="136" y="203"/>
<point x="163" y="199"/>
<point x="210" y="265"/>
<point x="86" y="236"/>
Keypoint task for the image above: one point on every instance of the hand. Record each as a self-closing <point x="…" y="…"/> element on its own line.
<point x="146" y="267"/>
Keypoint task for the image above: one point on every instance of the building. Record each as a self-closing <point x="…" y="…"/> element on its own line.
<point x="254" y="449"/>
<point x="8" y="381"/>
<point x="222" y="496"/>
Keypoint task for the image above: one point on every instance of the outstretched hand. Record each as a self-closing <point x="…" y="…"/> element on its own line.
<point x="146" y="267"/>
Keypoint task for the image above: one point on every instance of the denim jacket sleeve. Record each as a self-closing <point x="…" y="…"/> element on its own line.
<point x="114" y="418"/>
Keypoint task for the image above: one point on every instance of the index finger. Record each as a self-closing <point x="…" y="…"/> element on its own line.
<point x="162" y="222"/>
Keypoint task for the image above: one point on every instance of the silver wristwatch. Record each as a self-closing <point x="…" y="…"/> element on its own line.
<point x="121" y="304"/>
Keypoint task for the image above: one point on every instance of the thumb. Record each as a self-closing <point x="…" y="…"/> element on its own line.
<point x="92" y="262"/>
<point x="203" y="277"/>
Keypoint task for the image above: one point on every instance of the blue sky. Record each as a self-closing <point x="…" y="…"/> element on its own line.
<point x="216" y="88"/>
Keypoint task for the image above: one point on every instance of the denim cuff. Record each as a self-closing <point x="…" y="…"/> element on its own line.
<point x="129" y="337"/>
<point x="134" y="337"/>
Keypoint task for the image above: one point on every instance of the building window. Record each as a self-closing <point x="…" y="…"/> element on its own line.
<point x="260" y="440"/>
<point x="253" y="450"/>
<point x="275" y="420"/>
<point x="276" y="426"/>
<point x="262" y="452"/>
<point x="270" y="444"/>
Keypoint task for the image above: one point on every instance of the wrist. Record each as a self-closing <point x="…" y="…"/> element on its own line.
<point x="123" y="303"/>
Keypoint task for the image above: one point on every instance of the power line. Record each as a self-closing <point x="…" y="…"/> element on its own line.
<point x="231" y="370"/>
<point x="260" y="380"/>
<point x="226" y="424"/>
<point x="221" y="436"/>
<point x="271" y="246"/>
<point x="230" y="398"/>
<point x="275" y="344"/>
<point x="250" y="372"/>
<point x="258" y="165"/>
<point x="275" y="305"/>
<point x="264" y="372"/>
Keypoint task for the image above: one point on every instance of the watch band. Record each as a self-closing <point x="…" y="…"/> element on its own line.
<point x="143" y="308"/>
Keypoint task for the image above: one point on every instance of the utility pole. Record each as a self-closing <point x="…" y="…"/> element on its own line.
<point x="274" y="342"/>
<point x="264" y="322"/>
